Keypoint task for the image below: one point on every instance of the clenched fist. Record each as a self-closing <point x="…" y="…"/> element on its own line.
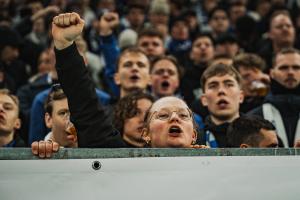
<point x="66" y="28"/>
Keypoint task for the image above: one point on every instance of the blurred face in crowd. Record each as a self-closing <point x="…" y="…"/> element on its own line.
<point x="158" y="18"/>
<point x="9" y="115"/>
<point x="219" y="22"/>
<point x="164" y="78"/>
<point x="39" y="26"/>
<point x="248" y="76"/>
<point x="58" y="120"/>
<point x="287" y="70"/>
<point x="227" y="48"/>
<point x="46" y="63"/>
<point x="236" y="12"/>
<point x="132" y="132"/>
<point x="9" y="54"/>
<point x="180" y="31"/>
<point x="202" y="50"/>
<point x="133" y="72"/>
<point x="35" y="6"/>
<point x="152" y="46"/>
<point x="282" y="31"/>
<point x="170" y="124"/>
<point x="222" y="95"/>
<point x="136" y="17"/>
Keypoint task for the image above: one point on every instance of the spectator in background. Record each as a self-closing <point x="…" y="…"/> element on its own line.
<point x="151" y="42"/>
<point x="159" y="15"/>
<point x="281" y="34"/>
<point x="282" y="104"/>
<point x="236" y="10"/>
<point x="197" y="61"/>
<point x="252" y="132"/>
<point x="227" y="44"/>
<point x="13" y="68"/>
<point x="180" y="43"/>
<point x="165" y="76"/>
<point x="135" y="17"/>
<point x="218" y="21"/>
<point x="255" y="83"/>
<point x="9" y="120"/>
<point x="222" y="94"/>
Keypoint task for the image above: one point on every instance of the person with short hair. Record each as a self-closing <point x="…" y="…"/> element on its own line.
<point x="9" y="120"/>
<point x="252" y="132"/>
<point x="255" y="82"/>
<point x="282" y="104"/>
<point x="222" y="95"/>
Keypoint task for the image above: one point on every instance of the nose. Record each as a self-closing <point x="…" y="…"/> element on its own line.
<point x="221" y="90"/>
<point x="174" y="117"/>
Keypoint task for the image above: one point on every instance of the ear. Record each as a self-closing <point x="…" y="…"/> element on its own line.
<point x="204" y="99"/>
<point x="194" y="137"/>
<point x="272" y="73"/>
<point x="18" y="123"/>
<point x="242" y="96"/>
<point x="48" y="120"/>
<point x="117" y="78"/>
<point x="146" y="136"/>
<point x="245" y="146"/>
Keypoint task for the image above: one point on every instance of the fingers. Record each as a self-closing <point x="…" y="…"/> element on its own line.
<point x="34" y="148"/>
<point x="41" y="149"/>
<point x="48" y="147"/>
<point x="44" y="149"/>
<point x="67" y="19"/>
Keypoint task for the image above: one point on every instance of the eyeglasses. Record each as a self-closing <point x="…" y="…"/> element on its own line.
<point x="184" y="114"/>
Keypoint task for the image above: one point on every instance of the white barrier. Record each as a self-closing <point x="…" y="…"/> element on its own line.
<point x="174" y="178"/>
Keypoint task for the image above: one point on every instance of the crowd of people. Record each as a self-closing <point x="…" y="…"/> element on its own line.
<point x="154" y="73"/>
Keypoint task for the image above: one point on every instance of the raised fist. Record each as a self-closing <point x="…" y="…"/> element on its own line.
<point x="66" y="28"/>
<point x="108" y="22"/>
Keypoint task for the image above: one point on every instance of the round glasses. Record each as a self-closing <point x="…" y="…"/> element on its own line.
<point x="184" y="114"/>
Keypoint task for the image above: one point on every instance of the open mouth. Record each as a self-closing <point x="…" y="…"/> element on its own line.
<point x="175" y="130"/>
<point x="222" y="103"/>
<point x="134" y="77"/>
<point x="165" y="84"/>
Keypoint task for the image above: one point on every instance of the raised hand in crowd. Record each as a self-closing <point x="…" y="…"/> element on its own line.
<point x="66" y="28"/>
<point x="107" y="23"/>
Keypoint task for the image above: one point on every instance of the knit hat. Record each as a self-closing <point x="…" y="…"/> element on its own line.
<point x="159" y="7"/>
<point x="9" y="37"/>
<point x="127" y="38"/>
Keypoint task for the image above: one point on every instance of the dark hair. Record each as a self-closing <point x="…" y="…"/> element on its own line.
<point x="126" y="108"/>
<point x="56" y="93"/>
<point x="249" y="61"/>
<point x="150" y="32"/>
<point x="246" y="130"/>
<point x="205" y="34"/>
<point x="219" y="70"/>
<point x="214" y="10"/>
<point x="170" y="58"/>
<point x="284" y="51"/>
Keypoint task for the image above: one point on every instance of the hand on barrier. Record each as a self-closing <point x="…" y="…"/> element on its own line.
<point x="44" y="149"/>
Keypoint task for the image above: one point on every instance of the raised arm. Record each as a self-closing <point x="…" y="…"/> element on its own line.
<point x="107" y="23"/>
<point x="91" y="119"/>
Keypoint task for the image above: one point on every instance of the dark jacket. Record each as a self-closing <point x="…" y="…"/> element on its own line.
<point x="217" y="134"/>
<point x="91" y="119"/>
<point x="287" y="102"/>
